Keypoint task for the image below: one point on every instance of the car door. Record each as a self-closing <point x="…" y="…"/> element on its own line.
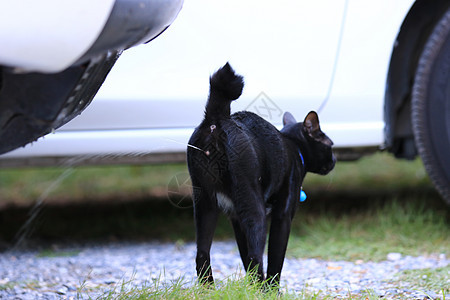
<point x="285" y="50"/>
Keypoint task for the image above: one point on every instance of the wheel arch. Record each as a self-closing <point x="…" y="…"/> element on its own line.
<point x="410" y="41"/>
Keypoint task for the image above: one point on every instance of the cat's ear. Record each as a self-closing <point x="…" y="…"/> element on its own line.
<point x="288" y="118"/>
<point x="311" y="123"/>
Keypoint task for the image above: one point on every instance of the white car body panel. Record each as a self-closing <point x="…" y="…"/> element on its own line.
<point x="286" y="51"/>
<point x="28" y="34"/>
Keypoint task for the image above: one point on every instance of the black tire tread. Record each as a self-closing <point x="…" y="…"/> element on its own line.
<point x="421" y="128"/>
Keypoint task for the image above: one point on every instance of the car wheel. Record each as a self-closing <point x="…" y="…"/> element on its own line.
<point x="431" y="106"/>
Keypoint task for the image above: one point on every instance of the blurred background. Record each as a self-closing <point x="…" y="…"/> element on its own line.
<point x="117" y="172"/>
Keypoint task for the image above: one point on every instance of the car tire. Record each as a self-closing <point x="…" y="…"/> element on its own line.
<point x="35" y="104"/>
<point x="431" y="106"/>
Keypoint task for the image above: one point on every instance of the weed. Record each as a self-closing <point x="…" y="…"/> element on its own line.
<point x="57" y="253"/>
<point x="7" y="285"/>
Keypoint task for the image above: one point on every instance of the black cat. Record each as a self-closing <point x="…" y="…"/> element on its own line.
<point x="246" y="167"/>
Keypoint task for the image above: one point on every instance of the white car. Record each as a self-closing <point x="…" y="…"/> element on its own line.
<point x="376" y="72"/>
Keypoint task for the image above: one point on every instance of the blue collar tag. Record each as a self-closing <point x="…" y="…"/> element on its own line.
<point x="302" y="196"/>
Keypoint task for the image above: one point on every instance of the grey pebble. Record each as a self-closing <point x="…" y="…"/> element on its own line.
<point x="98" y="269"/>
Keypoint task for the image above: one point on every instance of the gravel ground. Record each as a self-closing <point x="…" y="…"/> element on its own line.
<point x="30" y="275"/>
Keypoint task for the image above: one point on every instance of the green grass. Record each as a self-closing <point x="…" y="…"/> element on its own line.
<point x="436" y="280"/>
<point x="234" y="287"/>
<point x="24" y="186"/>
<point x="57" y="253"/>
<point x="409" y="228"/>
<point x="379" y="173"/>
<point x="231" y="288"/>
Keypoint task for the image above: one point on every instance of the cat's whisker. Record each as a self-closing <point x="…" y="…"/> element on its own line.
<point x="189" y="145"/>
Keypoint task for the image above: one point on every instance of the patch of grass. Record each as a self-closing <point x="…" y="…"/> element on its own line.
<point x="232" y="288"/>
<point x="30" y="284"/>
<point x="57" y="253"/>
<point x="409" y="228"/>
<point x="372" y="174"/>
<point x="7" y="285"/>
<point x="425" y="280"/>
<point x="24" y="186"/>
